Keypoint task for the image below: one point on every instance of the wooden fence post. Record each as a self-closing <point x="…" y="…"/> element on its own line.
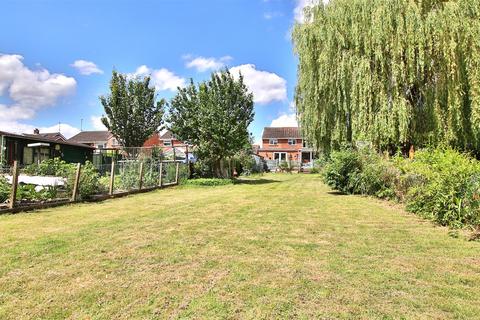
<point x="160" y="178"/>
<point x="112" y="178"/>
<point x="176" y="172"/>
<point x="77" y="181"/>
<point x="174" y="154"/>
<point x="141" y="176"/>
<point x="13" y="195"/>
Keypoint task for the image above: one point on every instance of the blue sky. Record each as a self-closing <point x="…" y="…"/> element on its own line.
<point x="56" y="57"/>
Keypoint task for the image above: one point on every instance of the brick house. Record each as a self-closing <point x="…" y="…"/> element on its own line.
<point x="168" y="142"/>
<point x="285" y="144"/>
<point x="97" y="139"/>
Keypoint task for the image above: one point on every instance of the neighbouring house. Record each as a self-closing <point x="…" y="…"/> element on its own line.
<point x="97" y="139"/>
<point x="285" y="144"/>
<point x="169" y="144"/>
<point x="56" y="136"/>
<point x="34" y="148"/>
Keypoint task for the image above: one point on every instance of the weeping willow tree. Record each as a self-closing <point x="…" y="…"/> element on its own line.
<point x="391" y="72"/>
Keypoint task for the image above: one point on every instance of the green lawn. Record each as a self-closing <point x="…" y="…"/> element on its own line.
<point x="280" y="246"/>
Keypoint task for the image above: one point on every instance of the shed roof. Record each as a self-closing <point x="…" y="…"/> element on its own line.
<point x="167" y="135"/>
<point x="43" y="139"/>
<point x="281" y="133"/>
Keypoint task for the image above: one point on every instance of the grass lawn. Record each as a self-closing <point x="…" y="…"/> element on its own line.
<point x="279" y="246"/>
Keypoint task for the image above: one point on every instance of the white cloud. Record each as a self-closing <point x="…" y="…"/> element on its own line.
<point x="162" y="79"/>
<point x="86" y="67"/>
<point x="285" y="120"/>
<point x="299" y="12"/>
<point x="266" y="86"/>
<point x="97" y="123"/>
<point x="202" y="64"/>
<point x="29" y="90"/>
<point x="16" y="127"/>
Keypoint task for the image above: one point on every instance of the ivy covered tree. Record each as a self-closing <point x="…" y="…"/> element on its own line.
<point x="132" y="112"/>
<point x="213" y="116"/>
<point x="392" y="72"/>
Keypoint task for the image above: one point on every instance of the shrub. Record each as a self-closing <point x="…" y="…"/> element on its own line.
<point x="440" y="184"/>
<point x="338" y="172"/>
<point x="51" y="167"/>
<point x="89" y="183"/>
<point x="211" y="182"/>
<point x="5" y="189"/>
<point x="447" y="187"/>
<point x="28" y="192"/>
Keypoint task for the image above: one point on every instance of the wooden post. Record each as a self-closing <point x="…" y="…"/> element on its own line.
<point x="141" y="176"/>
<point x="13" y="195"/>
<point x="188" y="162"/>
<point x="77" y="181"/>
<point x="174" y="154"/>
<point x="160" y="176"/>
<point x="112" y="178"/>
<point x="176" y="172"/>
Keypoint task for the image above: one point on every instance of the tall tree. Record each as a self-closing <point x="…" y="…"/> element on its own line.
<point x="132" y="113"/>
<point x="214" y="116"/>
<point x="392" y="72"/>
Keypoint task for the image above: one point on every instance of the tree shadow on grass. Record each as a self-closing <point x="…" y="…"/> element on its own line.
<point x="255" y="181"/>
<point x="336" y="193"/>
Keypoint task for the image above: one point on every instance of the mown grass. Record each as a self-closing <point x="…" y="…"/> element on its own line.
<point x="277" y="246"/>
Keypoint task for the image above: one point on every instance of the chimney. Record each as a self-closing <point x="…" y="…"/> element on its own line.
<point x="36" y="131"/>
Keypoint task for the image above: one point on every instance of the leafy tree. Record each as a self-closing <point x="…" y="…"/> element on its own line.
<point x="214" y="116"/>
<point x="391" y="72"/>
<point x="132" y="112"/>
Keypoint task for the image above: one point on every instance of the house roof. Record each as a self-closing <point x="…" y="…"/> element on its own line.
<point x="168" y="135"/>
<point x="40" y="138"/>
<point x="57" y="136"/>
<point x="90" y="136"/>
<point x="281" y="133"/>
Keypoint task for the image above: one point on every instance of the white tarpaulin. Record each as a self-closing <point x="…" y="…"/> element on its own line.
<point x="38" y="180"/>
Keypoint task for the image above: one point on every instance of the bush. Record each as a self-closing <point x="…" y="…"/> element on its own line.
<point x="440" y="184"/>
<point x="51" y="167"/>
<point x="89" y="183"/>
<point x="447" y="187"/>
<point x="5" y="189"/>
<point x="341" y="168"/>
<point x="211" y="182"/>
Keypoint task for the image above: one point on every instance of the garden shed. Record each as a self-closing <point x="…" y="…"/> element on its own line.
<point x="28" y="149"/>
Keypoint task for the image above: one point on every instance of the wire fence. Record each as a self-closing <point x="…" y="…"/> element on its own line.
<point x="55" y="182"/>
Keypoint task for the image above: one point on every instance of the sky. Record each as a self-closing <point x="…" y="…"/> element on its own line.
<point x="56" y="57"/>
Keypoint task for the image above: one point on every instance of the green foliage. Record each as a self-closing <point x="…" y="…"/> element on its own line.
<point x="343" y="165"/>
<point x="210" y="182"/>
<point x="214" y="116"/>
<point x="28" y="192"/>
<point x="51" y="167"/>
<point x="5" y="189"/>
<point x="448" y="188"/>
<point x="390" y="72"/>
<point x="285" y="166"/>
<point x="439" y="184"/>
<point x="89" y="183"/>
<point x="132" y="113"/>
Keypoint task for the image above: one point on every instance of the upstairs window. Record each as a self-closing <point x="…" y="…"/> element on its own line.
<point x="167" y="143"/>
<point x="273" y="142"/>
<point x="292" y="142"/>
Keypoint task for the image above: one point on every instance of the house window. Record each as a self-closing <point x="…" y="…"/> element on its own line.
<point x="167" y="143"/>
<point x="280" y="156"/>
<point x="305" y="144"/>
<point x="273" y="142"/>
<point x="292" y="142"/>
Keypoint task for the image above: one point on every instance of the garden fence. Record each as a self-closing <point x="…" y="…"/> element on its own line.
<point x="39" y="187"/>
